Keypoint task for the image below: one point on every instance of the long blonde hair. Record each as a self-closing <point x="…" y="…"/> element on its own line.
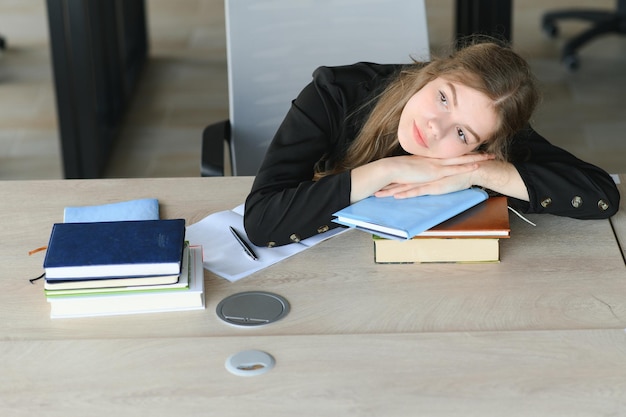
<point x="493" y="69"/>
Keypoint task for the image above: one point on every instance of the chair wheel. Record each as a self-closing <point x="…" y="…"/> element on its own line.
<point x="550" y="29"/>
<point x="571" y="62"/>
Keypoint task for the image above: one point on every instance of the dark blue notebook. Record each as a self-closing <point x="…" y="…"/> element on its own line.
<point x="404" y="218"/>
<point x="115" y="249"/>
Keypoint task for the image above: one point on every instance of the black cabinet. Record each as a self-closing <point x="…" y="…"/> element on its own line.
<point x="98" y="48"/>
<point x="486" y="17"/>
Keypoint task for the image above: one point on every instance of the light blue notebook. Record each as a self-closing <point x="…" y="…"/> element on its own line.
<point x="404" y="218"/>
<point x="140" y="209"/>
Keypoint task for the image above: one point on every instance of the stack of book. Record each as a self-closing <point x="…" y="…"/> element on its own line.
<point x="472" y="236"/>
<point x="122" y="267"/>
<point x="462" y="226"/>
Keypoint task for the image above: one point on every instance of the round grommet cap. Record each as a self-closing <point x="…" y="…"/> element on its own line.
<point x="250" y="363"/>
<point x="252" y="308"/>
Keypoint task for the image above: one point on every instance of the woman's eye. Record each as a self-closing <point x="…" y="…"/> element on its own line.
<point x="442" y="98"/>
<point x="461" y="135"/>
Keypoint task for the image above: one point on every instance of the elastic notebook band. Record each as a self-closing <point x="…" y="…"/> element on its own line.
<point x="521" y="217"/>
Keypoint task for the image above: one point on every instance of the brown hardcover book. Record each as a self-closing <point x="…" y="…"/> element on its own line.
<point x="472" y="236"/>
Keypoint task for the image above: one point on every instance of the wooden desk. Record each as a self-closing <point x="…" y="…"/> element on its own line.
<point x="619" y="220"/>
<point x="541" y="333"/>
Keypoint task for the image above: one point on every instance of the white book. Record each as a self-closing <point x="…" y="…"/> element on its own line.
<point x="129" y="302"/>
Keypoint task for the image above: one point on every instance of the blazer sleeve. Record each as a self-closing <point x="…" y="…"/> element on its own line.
<point x="285" y="205"/>
<point x="559" y="183"/>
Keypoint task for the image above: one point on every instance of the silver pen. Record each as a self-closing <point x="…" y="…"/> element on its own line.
<point x="246" y="248"/>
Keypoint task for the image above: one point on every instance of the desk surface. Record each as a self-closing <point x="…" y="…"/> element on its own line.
<point x="619" y="219"/>
<point x="361" y="338"/>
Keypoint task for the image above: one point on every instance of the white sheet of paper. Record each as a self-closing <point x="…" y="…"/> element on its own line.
<point x="223" y="255"/>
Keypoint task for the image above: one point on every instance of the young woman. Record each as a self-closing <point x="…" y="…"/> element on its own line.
<point x="409" y="130"/>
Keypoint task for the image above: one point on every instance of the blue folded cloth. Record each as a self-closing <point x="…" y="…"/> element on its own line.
<point x="141" y="209"/>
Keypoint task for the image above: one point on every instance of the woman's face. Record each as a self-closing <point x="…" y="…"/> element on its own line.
<point x="446" y="119"/>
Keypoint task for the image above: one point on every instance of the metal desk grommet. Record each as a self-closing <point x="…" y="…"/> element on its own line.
<point x="252" y="308"/>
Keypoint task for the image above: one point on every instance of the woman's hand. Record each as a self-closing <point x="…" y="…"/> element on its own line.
<point x="440" y="186"/>
<point x="443" y="175"/>
<point x="419" y="169"/>
<point x="498" y="176"/>
<point x="405" y="174"/>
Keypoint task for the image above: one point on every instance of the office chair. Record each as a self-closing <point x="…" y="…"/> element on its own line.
<point x="274" y="46"/>
<point x="604" y="22"/>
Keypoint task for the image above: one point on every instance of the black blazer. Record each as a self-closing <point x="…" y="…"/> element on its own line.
<point x="285" y="205"/>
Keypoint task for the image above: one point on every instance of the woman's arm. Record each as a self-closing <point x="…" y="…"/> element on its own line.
<point x="559" y="183"/>
<point x="541" y="178"/>
<point x="501" y="177"/>
<point x="285" y="204"/>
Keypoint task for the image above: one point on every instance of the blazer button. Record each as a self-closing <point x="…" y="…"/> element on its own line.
<point x="294" y="238"/>
<point x="546" y="202"/>
<point x="323" y="229"/>
<point x="602" y="205"/>
<point x="577" y="201"/>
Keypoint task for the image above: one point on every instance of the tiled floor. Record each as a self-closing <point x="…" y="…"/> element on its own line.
<point x="184" y="88"/>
